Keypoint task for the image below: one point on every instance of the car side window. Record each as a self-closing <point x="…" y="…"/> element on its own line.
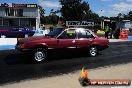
<point x="68" y="34"/>
<point x="84" y="34"/>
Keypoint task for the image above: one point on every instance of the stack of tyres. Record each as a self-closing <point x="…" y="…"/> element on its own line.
<point x="124" y="34"/>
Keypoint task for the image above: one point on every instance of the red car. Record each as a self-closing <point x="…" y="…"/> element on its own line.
<point x="61" y="38"/>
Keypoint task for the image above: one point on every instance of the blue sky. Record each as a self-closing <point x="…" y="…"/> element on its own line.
<point x="102" y="7"/>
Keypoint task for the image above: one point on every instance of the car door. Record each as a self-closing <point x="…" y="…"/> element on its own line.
<point x="85" y="38"/>
<point x="67" y="39"/>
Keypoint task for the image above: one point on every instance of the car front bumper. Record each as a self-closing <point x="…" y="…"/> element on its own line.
<point x="17" y="47"/>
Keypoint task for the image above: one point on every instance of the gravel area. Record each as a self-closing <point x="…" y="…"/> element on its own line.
<point x="70" y="80"/>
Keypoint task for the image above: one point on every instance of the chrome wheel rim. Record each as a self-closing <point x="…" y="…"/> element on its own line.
<point x="39" y="56"/>
<point x="93" y="51"/>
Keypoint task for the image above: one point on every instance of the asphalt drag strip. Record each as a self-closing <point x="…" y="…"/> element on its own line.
<point x="15" y="67"/>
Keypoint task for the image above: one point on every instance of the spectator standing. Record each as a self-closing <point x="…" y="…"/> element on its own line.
<point x="107" y="30"/>
<point x="117" y="33"/>
<point x="111" y="33"/>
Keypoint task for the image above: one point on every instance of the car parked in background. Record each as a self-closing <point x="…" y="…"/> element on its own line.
<point x="17" y="32"/>
<point x="62" y="39"/>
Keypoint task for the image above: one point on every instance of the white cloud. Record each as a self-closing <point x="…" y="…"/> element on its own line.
<point x="49" y="4"/>
<point x="107" y="13"/>
<point x="106" y="0"/>
<point x="101" y="12"/>
<point x="116" y="0"/>
<point x="112" y="0"/>
<point x="115" y="9"/>
<point x="122" y="7"/>
<point x="113" y="13"/>
<point x="129" y="0"/>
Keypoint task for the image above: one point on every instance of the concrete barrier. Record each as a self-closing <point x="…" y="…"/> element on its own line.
<point x="7" y="43"/>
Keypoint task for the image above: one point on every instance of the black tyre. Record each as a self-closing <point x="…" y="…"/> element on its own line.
<point x="39" y="55"/>
<point x="93" y="50"/>
<point x="85" y="82"/>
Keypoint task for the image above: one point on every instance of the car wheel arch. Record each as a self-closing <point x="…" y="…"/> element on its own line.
<point x="40" y="46"/>
<point x="95" y="45"/>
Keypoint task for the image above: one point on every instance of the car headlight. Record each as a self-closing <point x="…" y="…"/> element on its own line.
<point x="22" y="45"/>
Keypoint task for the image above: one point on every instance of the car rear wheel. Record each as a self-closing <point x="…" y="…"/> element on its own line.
<point x="93" y="50"/>
<point x="40" y="55"/>
<point x="85" y="81"/>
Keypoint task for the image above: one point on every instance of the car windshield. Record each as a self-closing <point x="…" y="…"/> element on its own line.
<point x="55" y="32"/>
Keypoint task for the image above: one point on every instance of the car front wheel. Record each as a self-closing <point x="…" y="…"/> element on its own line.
<point x="40" y="55"/>
<point x="93" y="51"/>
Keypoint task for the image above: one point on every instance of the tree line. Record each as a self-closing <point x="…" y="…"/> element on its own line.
<point x="70" y="10"/>
<point x="77" y="10"/>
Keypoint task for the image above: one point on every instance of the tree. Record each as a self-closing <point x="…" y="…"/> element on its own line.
<point x="53" y="18"/>
<point x="120" y="16"/>
<point x="43" y="20"/>
<point x="88" y="14"/>
<point x="76" y="10"/>
<point x="130" y="15"/>
<point x="42" y="11"/>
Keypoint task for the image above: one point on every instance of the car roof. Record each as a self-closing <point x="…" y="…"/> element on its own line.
<point x="76" y="28"/>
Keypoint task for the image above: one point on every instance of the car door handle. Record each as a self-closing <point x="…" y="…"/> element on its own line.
<point x="90" y="40"/>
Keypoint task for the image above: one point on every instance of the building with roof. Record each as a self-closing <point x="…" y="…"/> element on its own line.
<point x="20" y="15"/>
